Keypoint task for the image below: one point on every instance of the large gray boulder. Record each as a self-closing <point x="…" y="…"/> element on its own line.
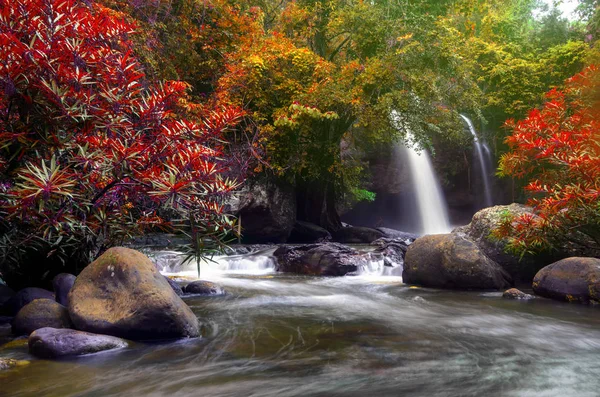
<point x="39" y="314"/>
<point x="122" y="294"/>
<point x="454" y="262"/>
<point x="328" y="259"/>
<point x="573" y="279"/>
<point x="62" y="284"/>
<point x="25" y="296"/>
<point x="480" y="231"/>
<point x="267" y="210"/>
<point x="54" y="343"/>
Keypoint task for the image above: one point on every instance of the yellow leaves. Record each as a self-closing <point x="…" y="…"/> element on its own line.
<point x="406" y="37"/>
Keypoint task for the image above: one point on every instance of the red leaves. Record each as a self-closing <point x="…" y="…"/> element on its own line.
<point x="559" y="147"/>
<point x="73" y="95"/>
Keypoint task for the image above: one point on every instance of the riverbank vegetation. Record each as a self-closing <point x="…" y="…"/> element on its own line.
<point x="122" y="116"/>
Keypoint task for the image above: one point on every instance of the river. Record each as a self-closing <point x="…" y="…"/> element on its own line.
<point x="365" y="335"/>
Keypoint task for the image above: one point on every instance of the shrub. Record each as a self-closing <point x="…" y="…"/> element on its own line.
<point x="91" y="151"/>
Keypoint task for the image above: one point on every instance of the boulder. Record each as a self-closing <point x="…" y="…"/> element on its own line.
<point x="203" y="288"/>
<point x="452" y="261"/>
<point x="575" y="279"/>
<point x="39" y="314"/>
<point x="267" y="211"/>
<point x="357" y="235"/>
<point x="62" y="284"/>
<point x="397" y="234"/>
<point x="480" y="231"/>
<point x="122" y="294"/>
<point x="306" y="232"/>
<point x="514" y="293"/>
<point x="328" y="259"/>
<point x="25" y="296"/>
<point x="175" y="285"/>
<point x="53" y="343"/>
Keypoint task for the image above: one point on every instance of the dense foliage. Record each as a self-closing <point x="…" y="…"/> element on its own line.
<point x="91" y="150"/>
<point x="557" y="148"/>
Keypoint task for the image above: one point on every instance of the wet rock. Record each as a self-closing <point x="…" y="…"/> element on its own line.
<point x="328" y="259"/>
<point x="357" y="235"/>
<point x="40" y="313"/>
<point x="306" y="232"/>
<point x="480" y="231"/>
<point x="398" y="235"/>
<point x="203" y="288"/>
<point x="175" y="285"/>
<point x="62" y="284"/>
<point x="25" y="296"/>
<point x="574" y="279"/>
<point x="7" y="363"/>
<point x="514" y="293"/>
<point x="247" y="249"/>
<point x="267" y="210"/>
<point x="393" y="250"/>
<point x="53" y="343"/>
<point x="122" y="294"/>
<point x="451" y="261"/>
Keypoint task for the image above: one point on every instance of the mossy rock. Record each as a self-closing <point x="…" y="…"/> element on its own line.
<point x="122" y="294"/>
<point x="39" y="314"/>
<point x="453" y="262"/>
<point x="575" y="279"/>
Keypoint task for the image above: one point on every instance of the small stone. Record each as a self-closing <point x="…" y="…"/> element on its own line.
<point x="62" y="284"/>
<point x="203" y="288"/>
<point x="25" y="296"/>
<point x="514" y="293"/>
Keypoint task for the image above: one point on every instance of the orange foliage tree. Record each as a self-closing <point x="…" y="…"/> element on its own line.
<point x="557" y="148"/>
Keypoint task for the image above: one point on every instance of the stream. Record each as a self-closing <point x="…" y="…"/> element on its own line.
<point x="367" y="334"/>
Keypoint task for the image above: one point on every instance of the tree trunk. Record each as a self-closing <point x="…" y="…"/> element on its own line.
<point x="316" y="204"/>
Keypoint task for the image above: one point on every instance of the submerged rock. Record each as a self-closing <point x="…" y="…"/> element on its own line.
<point x="451" y="261"/>
<point x="62" y="284"/>
<point x="7" y="363"/>
<point x="306" y="232"/>
<point x="25" y="296"/>
<point x="203" y="288"/>
<point x="575" y="279"/>
<point x="328" y="259"/>
<point x="122" y="294"/>
<point x="39" y="314"/>
<point x="480" y="231"/>
<point x="514" y="293"/>
<point x="53" y="343"/>
<point x="357" y="235"/>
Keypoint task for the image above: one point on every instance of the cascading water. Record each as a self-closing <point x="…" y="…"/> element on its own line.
<point x="430" y="201"/>
<point x="484" y="162"/>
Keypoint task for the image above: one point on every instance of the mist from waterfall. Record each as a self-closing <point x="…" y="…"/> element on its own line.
<point x="484" y="160"/>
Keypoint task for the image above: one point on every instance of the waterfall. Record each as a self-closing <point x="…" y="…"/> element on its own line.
<point x="430" y="200"/>
<point x="484" y="161"/>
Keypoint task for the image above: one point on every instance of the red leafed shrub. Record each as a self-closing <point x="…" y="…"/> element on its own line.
<point x="90" y="150"/>
<point x="558" y="149"/>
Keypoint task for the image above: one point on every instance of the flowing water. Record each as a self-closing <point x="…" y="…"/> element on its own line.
<point x="431" y="204"/>
<point x="369" y="334"/>
<point x="484" y="162"/>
